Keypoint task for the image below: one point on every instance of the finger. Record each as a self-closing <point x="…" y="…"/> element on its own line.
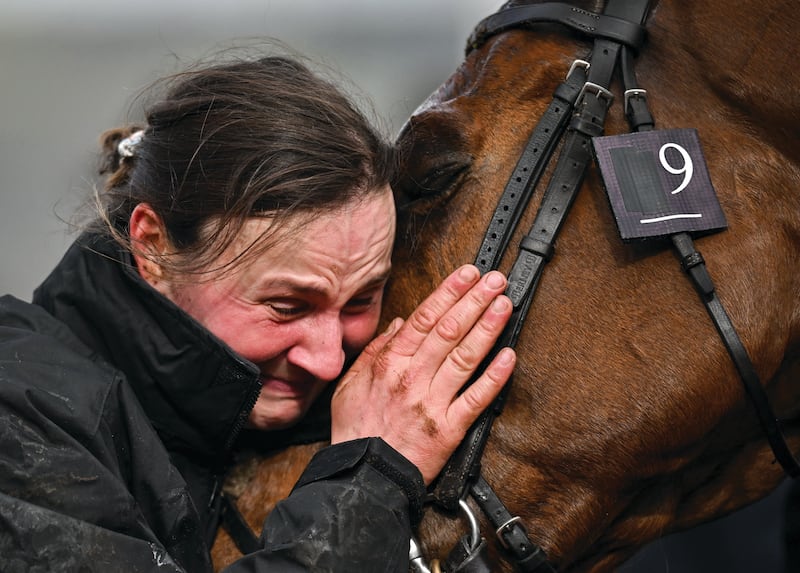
<point x="463" y="360"/>
<point x="479" y="395"/>
<point x="428" y="314"/>
<point x="371" y="353"/>
<point x="461" y="319"/>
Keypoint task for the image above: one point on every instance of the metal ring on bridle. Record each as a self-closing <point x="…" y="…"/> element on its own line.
<point x="474" y="528"/>
<point x="416" y="561"/>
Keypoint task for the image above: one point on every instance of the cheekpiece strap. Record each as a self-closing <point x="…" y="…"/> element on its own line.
<point x="609" y="27"/>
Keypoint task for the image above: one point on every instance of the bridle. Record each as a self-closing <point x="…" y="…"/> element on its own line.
<point x="577" y="114"/>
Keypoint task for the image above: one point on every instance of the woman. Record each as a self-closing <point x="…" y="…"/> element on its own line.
<point x="236" y="268"/>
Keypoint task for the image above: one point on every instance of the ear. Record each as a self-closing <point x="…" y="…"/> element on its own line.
<point x="150" y="243"/>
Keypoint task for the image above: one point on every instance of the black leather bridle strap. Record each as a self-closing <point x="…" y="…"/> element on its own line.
<point x="536" y="248"/>
<point x="692" y="262"/>
<point x="528" y="171"/>
<point x="528" y="557"/>
<point x="608" y="25"/>
<point x="237" y="527"/>
<point x="635" y="99"/>
<point x="694" y="265"/>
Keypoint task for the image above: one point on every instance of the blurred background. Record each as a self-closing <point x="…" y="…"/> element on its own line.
<point x="70" y="70"/>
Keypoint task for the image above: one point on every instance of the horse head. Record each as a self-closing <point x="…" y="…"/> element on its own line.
<point x="626" y="419"/>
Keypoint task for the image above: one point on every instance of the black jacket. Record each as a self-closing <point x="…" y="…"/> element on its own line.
<point x="118" y="415"/>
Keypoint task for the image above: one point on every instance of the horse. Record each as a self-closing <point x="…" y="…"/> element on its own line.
<point x="626" y="419"/>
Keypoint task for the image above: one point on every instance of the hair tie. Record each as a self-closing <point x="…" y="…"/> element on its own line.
<point x="127" y="147"/>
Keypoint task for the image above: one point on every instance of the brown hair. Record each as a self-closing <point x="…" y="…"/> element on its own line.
<point x="263" y="137"/>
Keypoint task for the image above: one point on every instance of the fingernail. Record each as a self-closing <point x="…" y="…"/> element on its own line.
<point x="393" y="326"/>
<point x="495" y="280"/>
<point x="500" y="304"/>
<point x="468" y="273"/>
<point x="505" y="357"/>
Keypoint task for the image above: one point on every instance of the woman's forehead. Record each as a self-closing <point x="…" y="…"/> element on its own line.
<point x="338" y="241"/>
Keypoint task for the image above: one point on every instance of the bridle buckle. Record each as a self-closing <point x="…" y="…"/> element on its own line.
<point x="507" y="527"/>
<point x="633" y="93"/>
<point x="583" y="64"/>
<point x="598" y="91"/>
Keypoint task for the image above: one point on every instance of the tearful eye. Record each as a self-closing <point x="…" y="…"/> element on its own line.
<point x="362" y="303"/>
<point x="358" y="306"/>
<point x="287" y="308"/>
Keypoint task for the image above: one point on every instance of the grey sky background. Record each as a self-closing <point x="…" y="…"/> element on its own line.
<point x="69" y="69"/>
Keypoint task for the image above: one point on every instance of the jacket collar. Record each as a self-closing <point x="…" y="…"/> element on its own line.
<point x="197" y="392"/>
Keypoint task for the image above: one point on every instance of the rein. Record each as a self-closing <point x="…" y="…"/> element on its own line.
<point x="577" y="113"/>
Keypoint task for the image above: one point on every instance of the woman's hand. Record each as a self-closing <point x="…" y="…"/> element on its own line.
<point x="405" y="385"/>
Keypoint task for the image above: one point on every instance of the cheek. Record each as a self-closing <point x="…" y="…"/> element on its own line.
<point x="256" y="340"/>
<point x="243" y="328"/>
<point x="359" y="331"/>
<point x="208" y="303"/>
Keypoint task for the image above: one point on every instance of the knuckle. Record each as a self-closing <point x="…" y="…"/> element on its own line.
<point x="487" y="328"/>
<point x="473" y="400"/>
<point x="448" y="328"/>
<point x="480" y="296"/>
<point x="424" y="319"/>
<point x="494" y="379"/>
<point x="372" y="350"/>
<point x="480" y="394"/>
<point x="463" y="358"/>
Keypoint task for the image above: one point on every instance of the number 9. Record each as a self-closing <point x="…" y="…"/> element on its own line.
<point x="687" y="168"/>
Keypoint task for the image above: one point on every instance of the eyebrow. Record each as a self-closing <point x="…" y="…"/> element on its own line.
<point x="377" y="281"/>
<point x="314" y="290"/>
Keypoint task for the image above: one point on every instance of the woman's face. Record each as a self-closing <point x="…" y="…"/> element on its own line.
<point x="303" y="306"/>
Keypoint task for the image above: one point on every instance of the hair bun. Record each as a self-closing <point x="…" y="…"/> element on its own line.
<point x="117" y="145"/>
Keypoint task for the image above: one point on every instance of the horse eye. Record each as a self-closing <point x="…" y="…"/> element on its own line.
<point x="439" y="179"/>
<point x="429" y="178"/>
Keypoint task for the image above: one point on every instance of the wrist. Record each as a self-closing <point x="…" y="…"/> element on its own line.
<point x="349" y="457"/>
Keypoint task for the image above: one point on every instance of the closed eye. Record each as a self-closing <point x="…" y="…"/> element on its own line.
<point x="357" y="306"/>
<point x="363" y="302"/>
<point x="434" y="181"/>
<point x="288" y="308"/>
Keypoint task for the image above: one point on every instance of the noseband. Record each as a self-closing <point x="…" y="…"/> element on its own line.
<point x="577" y="113"/>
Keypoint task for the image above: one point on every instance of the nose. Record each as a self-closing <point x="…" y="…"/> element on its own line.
<point x="320" y="350"/>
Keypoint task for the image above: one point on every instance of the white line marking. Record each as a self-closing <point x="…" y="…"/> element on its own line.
<point x="668" y="217"/>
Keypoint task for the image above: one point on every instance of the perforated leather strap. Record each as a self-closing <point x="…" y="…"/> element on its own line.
<point x="538" y="246"/>
<point x="567" y="178"/>
<point x="528" y="171"/>
<point x="536" y="249"/>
